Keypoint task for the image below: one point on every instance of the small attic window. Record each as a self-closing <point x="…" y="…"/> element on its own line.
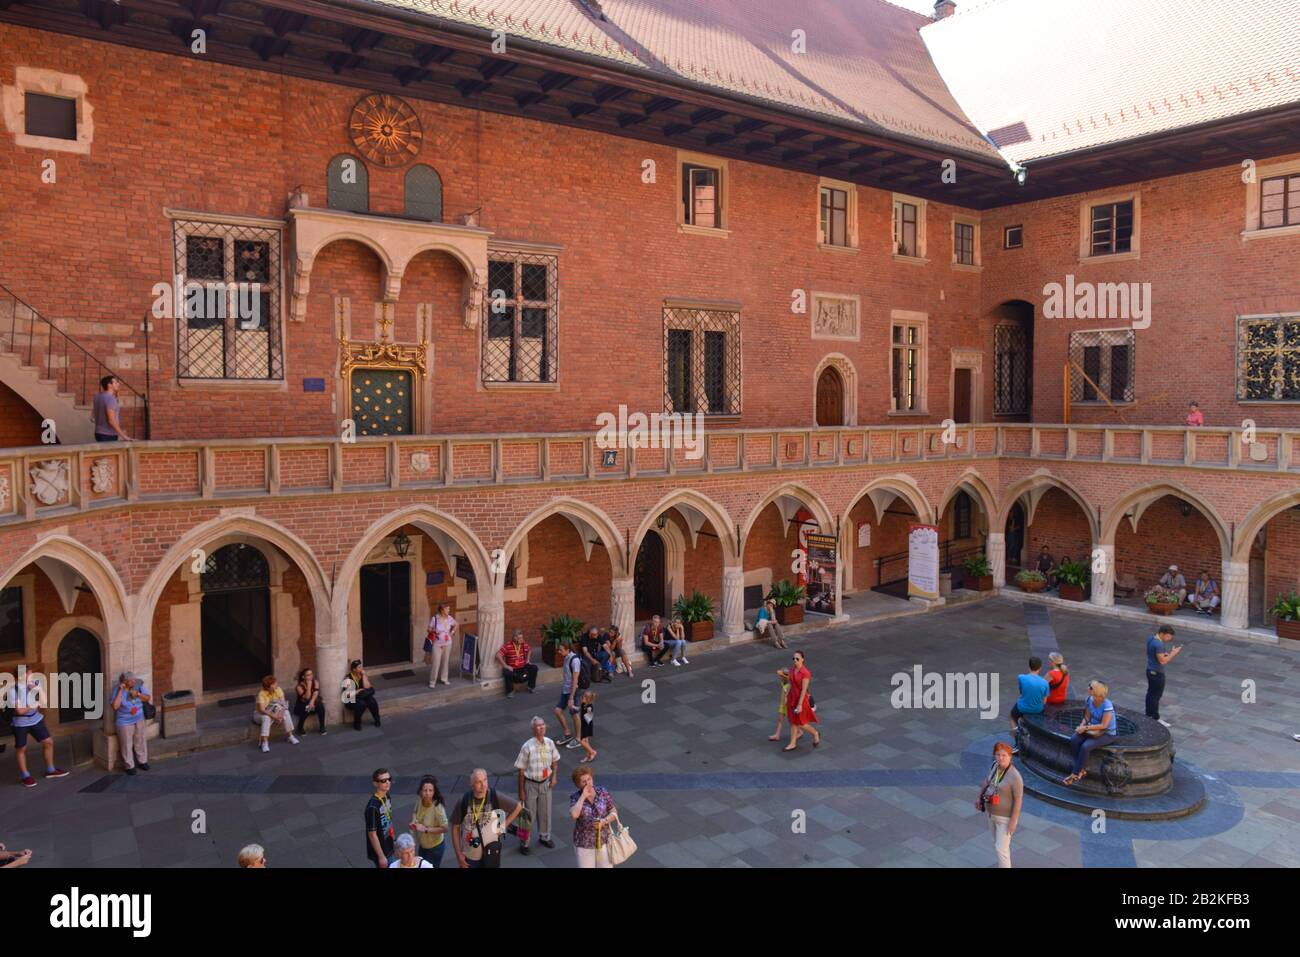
<point x="52" y="116"/>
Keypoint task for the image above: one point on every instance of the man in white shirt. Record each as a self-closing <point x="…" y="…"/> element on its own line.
<point x="538" y="759"/>
<point x="1175" y="582"/>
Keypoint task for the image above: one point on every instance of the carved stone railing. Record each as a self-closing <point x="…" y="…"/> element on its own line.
<point x="43" y="481"/>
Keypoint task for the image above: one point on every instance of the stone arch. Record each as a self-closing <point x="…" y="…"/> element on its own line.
<point x="92" y="567"/>
<point x="885" y="488"/>
<point x="1044" y="480"/>
<point x="974" y="485"/>
<point x="1139" y="499"/>
<point x="805" y="496"/>
<point x="583" y="515"/>
<point x="848" y="376"/>
<point x="687" y="499"/>
<point x="1257" y="518"/>
<point x="306" y="261"/>
<point x="252" y="530"/>
<point x="48" y="645"/>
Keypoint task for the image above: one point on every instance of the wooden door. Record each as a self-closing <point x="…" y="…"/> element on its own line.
<point x="830" y="398"/>
<point x="961" y="396"/>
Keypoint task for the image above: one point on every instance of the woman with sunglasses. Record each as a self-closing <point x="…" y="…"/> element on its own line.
<point x="799" y="704"/>
<point x="308" y="700"/>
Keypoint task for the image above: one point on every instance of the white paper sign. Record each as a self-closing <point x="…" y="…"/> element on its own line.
<point x="864" y="535"/>
<point x="923" y="561"/>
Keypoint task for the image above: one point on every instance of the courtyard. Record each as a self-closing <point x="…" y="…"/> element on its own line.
<point x="700" y="786"/>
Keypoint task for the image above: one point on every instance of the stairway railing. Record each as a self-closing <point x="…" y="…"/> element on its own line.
<point x="75" y="371"/>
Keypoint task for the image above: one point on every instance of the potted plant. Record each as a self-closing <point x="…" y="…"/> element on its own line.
<point x="1030" y="579"/>
<point x="560" y="627"/>
<point x="1287" y="611"/>
<point x="1161" y="601"/>
<point x="789" y="601"/>
<point x="696" y="614"/>
<point x="1073" y="578"/>
<point x="979" y="575"/>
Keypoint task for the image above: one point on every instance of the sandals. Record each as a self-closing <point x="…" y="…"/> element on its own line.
<point x="793" y="747"/>
<point x="777" y="737"/>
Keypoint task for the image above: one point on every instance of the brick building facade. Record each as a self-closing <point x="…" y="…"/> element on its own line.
<point x="567" y="235"/>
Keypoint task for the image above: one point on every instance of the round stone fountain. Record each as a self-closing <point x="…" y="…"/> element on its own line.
<point x="1135" y="777"/>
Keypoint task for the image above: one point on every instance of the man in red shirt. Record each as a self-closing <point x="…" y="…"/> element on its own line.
<point x="515" y="666"/>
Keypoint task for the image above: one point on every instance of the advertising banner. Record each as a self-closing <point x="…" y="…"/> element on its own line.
<point x="821" y="574"/>
<point x="923" y="561"/>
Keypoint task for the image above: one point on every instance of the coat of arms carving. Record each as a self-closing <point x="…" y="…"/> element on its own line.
<point x="49" y="481"/>
<point x="420" y="461"/>
<point x="101" y="475"/>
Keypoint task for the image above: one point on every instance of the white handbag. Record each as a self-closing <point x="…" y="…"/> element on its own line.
<point x="621" y="846"/>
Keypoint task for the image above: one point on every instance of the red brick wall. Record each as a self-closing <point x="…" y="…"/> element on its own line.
<point x="570" y="584"/>
<point x="1282" y="557"/>
<point x="1060" y="525"/>
<point x="702" y="564"/>
<point x="1202" y="274"/>
<point x="20" y="424"/>
<point x="293" y="582"/>
<point x="887" y="538"/>
<point x="176" y="592"/>
<point x="1164" y="537"/>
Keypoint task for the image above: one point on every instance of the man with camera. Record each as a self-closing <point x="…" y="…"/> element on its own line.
<point x="479" y="823"/>
<point x="25" y="700"/>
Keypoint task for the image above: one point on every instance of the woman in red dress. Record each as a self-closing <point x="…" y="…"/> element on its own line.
<point x="802" y="716"/>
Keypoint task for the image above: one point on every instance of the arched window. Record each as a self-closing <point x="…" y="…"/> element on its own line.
<point x="424" y="193"/>
<point x="349" y="185"/>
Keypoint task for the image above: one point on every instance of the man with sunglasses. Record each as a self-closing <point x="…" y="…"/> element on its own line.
<point x="380" y="832"/>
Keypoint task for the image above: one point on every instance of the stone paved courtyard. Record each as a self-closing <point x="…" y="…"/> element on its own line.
<point x="699" y="784"/>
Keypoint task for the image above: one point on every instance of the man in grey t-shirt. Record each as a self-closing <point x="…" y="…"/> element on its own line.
<point x="108" y="425"/>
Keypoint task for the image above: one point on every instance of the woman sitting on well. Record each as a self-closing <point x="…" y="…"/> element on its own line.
<point x="1097" y="730"/>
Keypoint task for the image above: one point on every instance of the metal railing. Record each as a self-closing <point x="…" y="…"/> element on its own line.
<point x="26" y="334"/>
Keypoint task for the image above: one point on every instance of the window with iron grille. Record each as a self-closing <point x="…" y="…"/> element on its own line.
<point x="701" y="361"/>
<point x="963" y="243"/>
<point x="1103" y="365"/>
<point x="1010" y="370"/>
<point x="702" y="196"/>
<point x="1268" y="359"/>
<point x="1013" y="237"/>
<point x="834" y="216"/>
<point x="1279" y="201"/>
<point x="520" y="328"/>
<point x="234" y="568"/>
<point x="229" y="321"/>
<point x="905" y="229"/>
<point x="12" y="633"/>
<point x="907" y="357"/>
<point x="1112" y="228"/>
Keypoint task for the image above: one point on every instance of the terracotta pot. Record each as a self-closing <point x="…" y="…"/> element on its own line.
<point x="1162" y="608"/>
<point x="1031" y="585"/>
<point x="789" y="614"/>
<point x="1071" y="592"/>
<point x="1288" y="629"/>
<point x="982" y="583"/>
<point x="699" y="630"/>
<point x="551" y="655"/>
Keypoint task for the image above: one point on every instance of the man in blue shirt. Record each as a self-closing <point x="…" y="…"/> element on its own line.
<point x="25" y="699"/>
<point x="1034" y="690"/>
<point x="1160" y="651"/>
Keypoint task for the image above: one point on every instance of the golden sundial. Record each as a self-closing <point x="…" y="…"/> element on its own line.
<point x="385" y="130"/>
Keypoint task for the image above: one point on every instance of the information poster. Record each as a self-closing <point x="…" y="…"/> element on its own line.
<point x="821" y="574"/>
<point x="468" y="648"/>
<point x="923" y="561"/>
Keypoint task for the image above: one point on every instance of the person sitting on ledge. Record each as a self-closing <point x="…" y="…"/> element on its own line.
<point x="515" y="666"/>
<point x="595" y="650"/>
<point x="1097" y="730"/>
<point x="1175" y="582"/>
<point x="1047" y="567"/>
<point x="652" y="641"/>
<point x="1058" y="679"/>
<point x="1205" y="596"/>
<point x="358" y="694"/>
<point x="1033" y="692"/>
<point x="617" y="651"/>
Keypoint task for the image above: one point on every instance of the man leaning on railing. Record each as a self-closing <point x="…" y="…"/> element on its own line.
<point x="108" y="425"/>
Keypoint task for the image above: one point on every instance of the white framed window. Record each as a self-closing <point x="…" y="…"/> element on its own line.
<point x="907" y="362"/>
<point x="1013" y="237"/>
<point x="1103" y="366"/>
<point x="909" y="227"/>
<point x="966" y="243"/>
<point x="521" y="317"/>
<point x="704" y="189"/>
<point x="837" y="215"/>
<point x="1273" y="201"/>
<point x="1110" y="228"/>
<point x="229" y="323"/>
<point x="47" y="110"/>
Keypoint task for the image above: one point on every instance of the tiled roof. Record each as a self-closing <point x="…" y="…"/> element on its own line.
<point x="1047" y="77"/>
<point x="864" y="65"/>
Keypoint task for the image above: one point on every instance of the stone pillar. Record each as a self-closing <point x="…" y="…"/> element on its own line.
<point x="1235" y="592"/>
<point x="995" y="550"/>
<point x="491" y="629"/>
<point x="1103" y="582"/>
<point x="733" y="602"/>
<point x="622" y="613"/>
<point x="332" y="666"/>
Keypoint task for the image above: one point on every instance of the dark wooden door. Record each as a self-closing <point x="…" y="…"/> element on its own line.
<point x="648" y="579"/>
<point x="961" y="397"/>
<point x="78" y="655"/>
<point x="830" y="398"/>
<point x="386" y="613"/>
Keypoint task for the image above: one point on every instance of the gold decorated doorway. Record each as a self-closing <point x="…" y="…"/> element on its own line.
<point x="384" y="382"/>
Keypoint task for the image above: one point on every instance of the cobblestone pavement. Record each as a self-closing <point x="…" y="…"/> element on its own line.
<point x="700" y="785"/>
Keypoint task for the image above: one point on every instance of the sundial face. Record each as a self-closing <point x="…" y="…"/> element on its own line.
<point x="385" y="130"/>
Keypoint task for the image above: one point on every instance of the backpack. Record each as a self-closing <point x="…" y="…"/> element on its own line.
<point x="584" y="674"/>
